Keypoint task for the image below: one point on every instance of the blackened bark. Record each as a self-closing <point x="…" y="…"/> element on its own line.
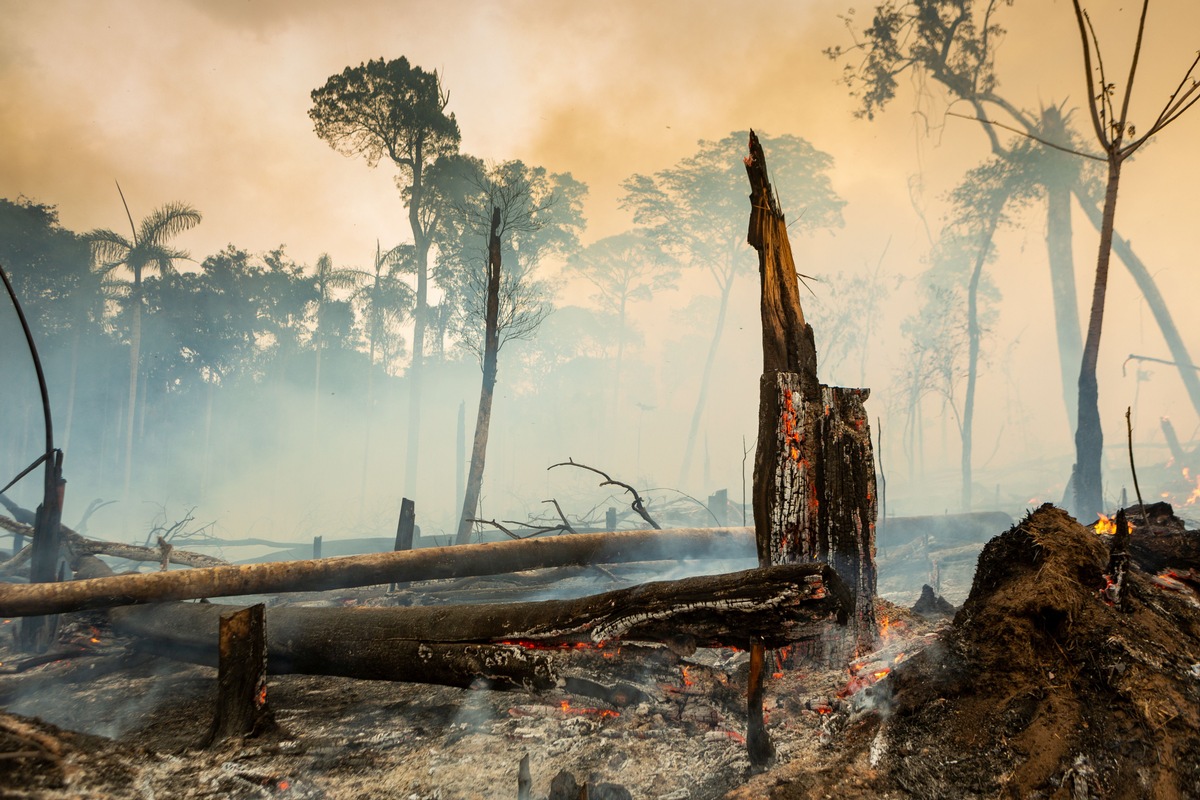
<point x="1089" y="436"/>
<point x="242" y="708"/>
<point x="778" y="605"/>
<point x="814" y="474"/>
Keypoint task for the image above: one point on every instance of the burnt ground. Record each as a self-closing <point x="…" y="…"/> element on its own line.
<point x="1038" y="688"/>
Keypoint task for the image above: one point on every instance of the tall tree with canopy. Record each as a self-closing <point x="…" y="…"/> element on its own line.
<point x="528" y="214"/>
<point x="954" y="42"/>
<point x="147" y="250"/>
<point x="696" y="209"/>
<point x="1118" y="139"/>
<point x="396" y="110"/>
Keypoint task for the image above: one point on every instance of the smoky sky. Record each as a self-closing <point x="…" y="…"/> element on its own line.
<point x="206" y="102"/>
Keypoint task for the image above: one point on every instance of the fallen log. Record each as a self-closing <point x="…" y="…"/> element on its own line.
<point x="781" y="605"/>
<point x="492" y="558"/>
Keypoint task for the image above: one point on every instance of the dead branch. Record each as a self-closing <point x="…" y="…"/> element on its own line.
<point x="83" y="546"/>
<point x="566" y="526"/>
<point x="637" y="504"/>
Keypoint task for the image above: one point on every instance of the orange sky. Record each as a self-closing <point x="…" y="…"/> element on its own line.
<point x="206" y="101"/>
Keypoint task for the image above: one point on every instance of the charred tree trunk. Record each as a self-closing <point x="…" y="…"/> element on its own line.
<point x="491" y="346"/>
<point x="242" y="676"/>
<point x="493" y="558"/>
<point x="1089" y="436"/>
<point x="776" y="606"/>
<point x="814" y="475"/>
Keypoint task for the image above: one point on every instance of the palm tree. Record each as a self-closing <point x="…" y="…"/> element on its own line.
<point x="147" y="250"/>
<point x="385" y="300"/>
<point x="325" y="280"/>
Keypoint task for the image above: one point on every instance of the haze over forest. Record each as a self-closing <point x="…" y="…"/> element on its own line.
<point x="207" y="104"/>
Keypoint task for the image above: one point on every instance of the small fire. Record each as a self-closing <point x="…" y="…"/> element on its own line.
<point x="603" y="713"/>
<point x="262" y="696"/>
<point x="1195" y="493"/>
<point x="687" y="681"/>
<point x="1107" y="526"/>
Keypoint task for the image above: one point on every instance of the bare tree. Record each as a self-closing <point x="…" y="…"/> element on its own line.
<point x="502" y="301"/>
<point x="1118" y="139"/>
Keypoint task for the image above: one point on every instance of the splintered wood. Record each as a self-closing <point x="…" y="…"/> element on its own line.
<point x="814" y="474"/>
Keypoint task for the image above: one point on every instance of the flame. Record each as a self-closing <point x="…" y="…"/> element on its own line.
<point x="1195" y="493"/>
<point x="1105" y="525"/>
<point x="603" y="713"/>
<point x="687" y="681"/>
<point x="262" y="696"/>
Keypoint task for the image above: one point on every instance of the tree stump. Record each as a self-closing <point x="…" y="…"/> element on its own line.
<point x="814" y="470"/>
<point x="241" y="677"/>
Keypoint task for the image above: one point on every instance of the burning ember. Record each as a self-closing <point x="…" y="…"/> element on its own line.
<point x="602" y="713"/>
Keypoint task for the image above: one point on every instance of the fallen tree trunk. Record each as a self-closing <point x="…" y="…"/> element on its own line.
<point x="378" y="568"/>
<point x="782" y="605"/>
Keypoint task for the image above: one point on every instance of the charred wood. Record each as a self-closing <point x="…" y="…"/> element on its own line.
<point x="782" y="605"/>
<point x="242" y="708"/>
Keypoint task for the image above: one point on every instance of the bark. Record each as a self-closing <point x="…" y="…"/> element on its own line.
<point x="491" y="347"/>
<point x="780" y="605"/>
<point x="493" y="558"/>
<point x="242" y="676"/>
<point x="135" y="343"/>
<point x="421" y="243"/>
<point x="814" y="474"/>
<point x="1089" y="436"/>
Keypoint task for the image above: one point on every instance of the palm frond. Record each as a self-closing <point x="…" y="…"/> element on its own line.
<point x="167" y="221"/>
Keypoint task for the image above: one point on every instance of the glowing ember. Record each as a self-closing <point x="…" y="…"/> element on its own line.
<point x="262" y="696"/>
<point x="687" y="681"/>
<point x="284" y="786"/>
<point x="603" y="713"/>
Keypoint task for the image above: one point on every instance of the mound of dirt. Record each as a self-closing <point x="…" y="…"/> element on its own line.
<point x="1039" y="689"/>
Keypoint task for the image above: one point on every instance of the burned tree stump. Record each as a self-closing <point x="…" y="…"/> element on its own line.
<point x="814" y="472"/>
<point x="241" y="677"/>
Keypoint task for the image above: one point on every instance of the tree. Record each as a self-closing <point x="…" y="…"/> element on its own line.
<point x="533" y="214"/>
<point x="1118" y="139"/>
<point x="954" y="42"/>
<point x="385" y="301"/>
<point x="147" y="250"/>
<point x="50" y="270"/>
<point x="325" y="279"/>
<point x="626" y="268"/>
<point x="696" y="209"/>
<point x="394" y="109"/>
